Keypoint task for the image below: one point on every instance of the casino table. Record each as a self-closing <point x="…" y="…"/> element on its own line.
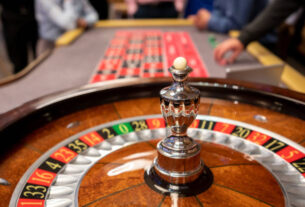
<point x="79" y="55"/>
<point x="91" y="145"/>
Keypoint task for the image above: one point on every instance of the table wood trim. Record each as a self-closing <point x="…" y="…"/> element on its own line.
<point x="290" y="76"/>
<point x="70" y="36"/>
<point x="29" y="68"/>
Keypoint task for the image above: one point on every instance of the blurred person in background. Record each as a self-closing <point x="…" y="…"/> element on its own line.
<point x="273" y="16"/>
<point x="228" y="15"/>
<point x="142" y="9"/>
<point x="58" y="16"/>
<point x="19" y="30"/>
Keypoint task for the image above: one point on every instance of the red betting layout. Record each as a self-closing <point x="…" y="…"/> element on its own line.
<point x="147" y="53"/>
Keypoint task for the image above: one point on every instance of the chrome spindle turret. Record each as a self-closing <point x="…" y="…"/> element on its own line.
<point x="178" y="160"/>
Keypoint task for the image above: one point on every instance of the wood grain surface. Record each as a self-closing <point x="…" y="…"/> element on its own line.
<point x="29" y="148"/>
<point x="118" y="180"/>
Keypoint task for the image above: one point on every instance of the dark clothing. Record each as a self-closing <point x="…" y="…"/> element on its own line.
<point x="159" y="10"/>
<point x="21" y="7"/>
<point x="271" y="17"/>
<point x="193" y="6"/>
<point x="20" y="31"/>
<point x="101" y="7"/>
<point x="234" y="14"/>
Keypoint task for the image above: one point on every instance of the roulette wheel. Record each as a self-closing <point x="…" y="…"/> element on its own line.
<point x="108" y="145"/>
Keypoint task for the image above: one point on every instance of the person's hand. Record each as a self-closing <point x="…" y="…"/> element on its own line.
<point x="230" y="45"/>
<point x="191" y="17"/>
<point x="202" y="19"/>
<point x="81" y="23"/>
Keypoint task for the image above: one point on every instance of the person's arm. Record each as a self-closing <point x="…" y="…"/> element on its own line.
<point x="63" y="17"/>
<point x="90" y="15"/>
<point x="235" y="15"/>
<point x="270" y="18"/>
